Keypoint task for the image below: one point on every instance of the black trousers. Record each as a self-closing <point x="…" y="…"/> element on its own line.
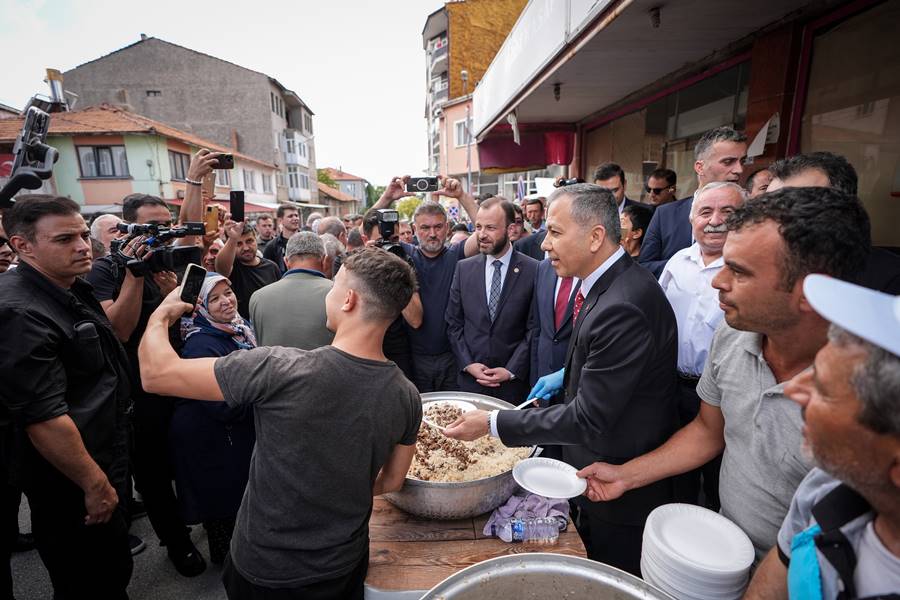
<point x="9" y="530"/>
<point x="84" y="561"/>
<point x="706" y="478"/>
<point x="615" y="544"/>
<point x="348" y="587"/>
<point x="152" y="466"/>
<point x="435" y="372"/>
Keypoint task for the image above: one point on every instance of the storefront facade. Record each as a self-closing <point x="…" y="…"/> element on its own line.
<point x="801" y="77"/>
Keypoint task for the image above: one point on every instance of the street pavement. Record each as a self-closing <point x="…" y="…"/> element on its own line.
<point x="154" y="576"/>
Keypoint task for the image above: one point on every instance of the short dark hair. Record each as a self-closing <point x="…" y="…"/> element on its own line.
<point x="429" y="207"/>
<point x="519" y="210"/>
<point x="282" y="208"/>
<point x="385" y="281"/>
<point x="824" y="230"/>
<point x="505" y="204"/>
<point x="669" y="175"/>
<point x="841" y="174"/>
<point x="354" y="238"/>
<point x="132" y="202"/>
<point x="537" y="200"/>
<point x="748" y="184"/>
<point x="593" y="205"/>
<point x="460" y="227"/>
<point x="263" y="218"/>
<point x="370" y="222"/>
<point x="22" y="218"/>
<point x="640" y="216"/>
<point x="246" y="229"/>
<point x="608" y="170"/>
<point x="713" y="137"/>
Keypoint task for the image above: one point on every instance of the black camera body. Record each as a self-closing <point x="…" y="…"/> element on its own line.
<point x="162" y="257"/>
<point x="388" y="219"/>
<point x="422" y="184"/>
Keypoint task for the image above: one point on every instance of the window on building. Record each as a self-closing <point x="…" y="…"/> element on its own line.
<point x="279" y="178"/>
<point x="153" y="93"/>
<point x="267" y="183"/>
<point x="223" y="177"/>
<point x="855" y="115"/>
<point x="303" y="150"/>
<point x="272" y="98"/>
<point x="103" y="161"/>
<point x="178" y="165"/>
<point x="293" y="177"/>
<point x="307" y="123"/>
<point x="304" y="181"/>
<point x="291" y="145"/>
<point x="249" y="180"/>
<point x="460" y="138"/>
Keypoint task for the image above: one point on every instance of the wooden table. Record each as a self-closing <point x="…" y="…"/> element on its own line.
<point x="409" y="553"/>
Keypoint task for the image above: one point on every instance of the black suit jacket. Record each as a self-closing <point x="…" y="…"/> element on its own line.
<point x="620" y="387"/>
<point x="531" y="245"/>
<point x="669" y="231"/>
<point x="504" y="343"/>
<point x="549" y="344"/>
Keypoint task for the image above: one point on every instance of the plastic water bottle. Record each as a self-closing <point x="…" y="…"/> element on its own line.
<point x="538" y="530"/>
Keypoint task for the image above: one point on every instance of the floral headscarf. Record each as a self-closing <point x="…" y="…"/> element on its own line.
<point x="237" y="329"/>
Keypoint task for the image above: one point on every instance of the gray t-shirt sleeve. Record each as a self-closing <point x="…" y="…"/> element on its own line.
<point x="415" y="418"/>
<point x="244" y="376"/>
<point x="708" y="387"/>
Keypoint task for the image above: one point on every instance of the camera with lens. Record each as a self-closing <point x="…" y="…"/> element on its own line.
<point x="422" y="184"/>
<point x="162" y="257"/>
<point x="388" y="219"/>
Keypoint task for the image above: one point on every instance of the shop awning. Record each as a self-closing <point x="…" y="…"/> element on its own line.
<point x="567" y="59"/>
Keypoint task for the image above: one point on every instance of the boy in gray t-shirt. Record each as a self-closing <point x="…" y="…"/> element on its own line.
<point x="324" y="448"/>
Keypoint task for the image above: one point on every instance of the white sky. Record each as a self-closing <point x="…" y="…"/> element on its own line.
<point x="358" y="64"/>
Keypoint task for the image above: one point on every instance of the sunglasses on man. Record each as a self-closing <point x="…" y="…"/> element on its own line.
<point x="656" y="191"/>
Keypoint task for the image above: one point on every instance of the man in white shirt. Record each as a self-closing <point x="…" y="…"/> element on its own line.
<point x="687" y="283"/>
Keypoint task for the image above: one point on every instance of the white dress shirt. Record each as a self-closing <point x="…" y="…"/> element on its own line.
<point x="504" y="258"/>
<point x="586" y="286"/>
<point x="687" y="283"/>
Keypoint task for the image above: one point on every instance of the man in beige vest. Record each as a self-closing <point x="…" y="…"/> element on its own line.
<point x="291" y="312"/>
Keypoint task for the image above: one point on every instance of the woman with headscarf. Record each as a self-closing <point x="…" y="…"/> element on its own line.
<point x="211" y="442"/>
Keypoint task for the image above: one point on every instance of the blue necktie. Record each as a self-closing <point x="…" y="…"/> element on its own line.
<point x="494" y="301"/>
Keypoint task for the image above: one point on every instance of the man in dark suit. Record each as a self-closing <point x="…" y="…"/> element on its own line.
<point x="489" y="309"/>
<point x="719" y="156"/>
<point x="619" y="376"/>
<point x="554" y="298"/>
<point x="611" y="176"/>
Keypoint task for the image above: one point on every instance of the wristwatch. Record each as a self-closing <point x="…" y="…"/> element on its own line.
<point x="512" y="376"/>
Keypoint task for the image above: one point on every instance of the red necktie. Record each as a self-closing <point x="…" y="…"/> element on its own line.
<point x="562" y="299"/>
<point x="579" y="300"/>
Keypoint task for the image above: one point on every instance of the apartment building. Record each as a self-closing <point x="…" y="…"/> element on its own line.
<point x="237" y="108"/>
<point x="107" y="153"/>
<point x="460" y="41"/>
<point x="351" y="185"/>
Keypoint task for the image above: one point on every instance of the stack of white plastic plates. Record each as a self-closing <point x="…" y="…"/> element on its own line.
<point x="695" y="554"/>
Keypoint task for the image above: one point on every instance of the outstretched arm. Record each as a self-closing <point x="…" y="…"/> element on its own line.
<point x="163" y="372"/>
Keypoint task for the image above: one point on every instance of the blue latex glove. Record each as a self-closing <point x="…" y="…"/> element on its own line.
<point x="547" y="386"/>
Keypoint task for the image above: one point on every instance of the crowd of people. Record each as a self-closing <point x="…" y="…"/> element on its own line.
<point x="679" y="350"/>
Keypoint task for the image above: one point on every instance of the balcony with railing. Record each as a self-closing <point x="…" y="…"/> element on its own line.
<point x="439" y="60"/>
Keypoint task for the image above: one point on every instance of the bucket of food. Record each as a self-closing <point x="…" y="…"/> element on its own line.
<point x="450" y="479"/>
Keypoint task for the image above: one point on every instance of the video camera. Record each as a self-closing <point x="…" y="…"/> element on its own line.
<point x="388" y="219"/>
<point x="162" y="257"/>
<point x="34" y="159"/>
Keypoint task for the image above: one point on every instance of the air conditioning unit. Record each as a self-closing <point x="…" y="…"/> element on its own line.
<point x="180" y="194"/>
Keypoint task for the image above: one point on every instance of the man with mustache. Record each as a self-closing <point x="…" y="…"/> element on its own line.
<point x="687" y="282"/>
<point x="433" y="362"/>
<point x="771" y="334"/>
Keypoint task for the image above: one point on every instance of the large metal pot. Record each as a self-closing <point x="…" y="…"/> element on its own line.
<point x="541" y="575"/>
<point x="456" y="500"/>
